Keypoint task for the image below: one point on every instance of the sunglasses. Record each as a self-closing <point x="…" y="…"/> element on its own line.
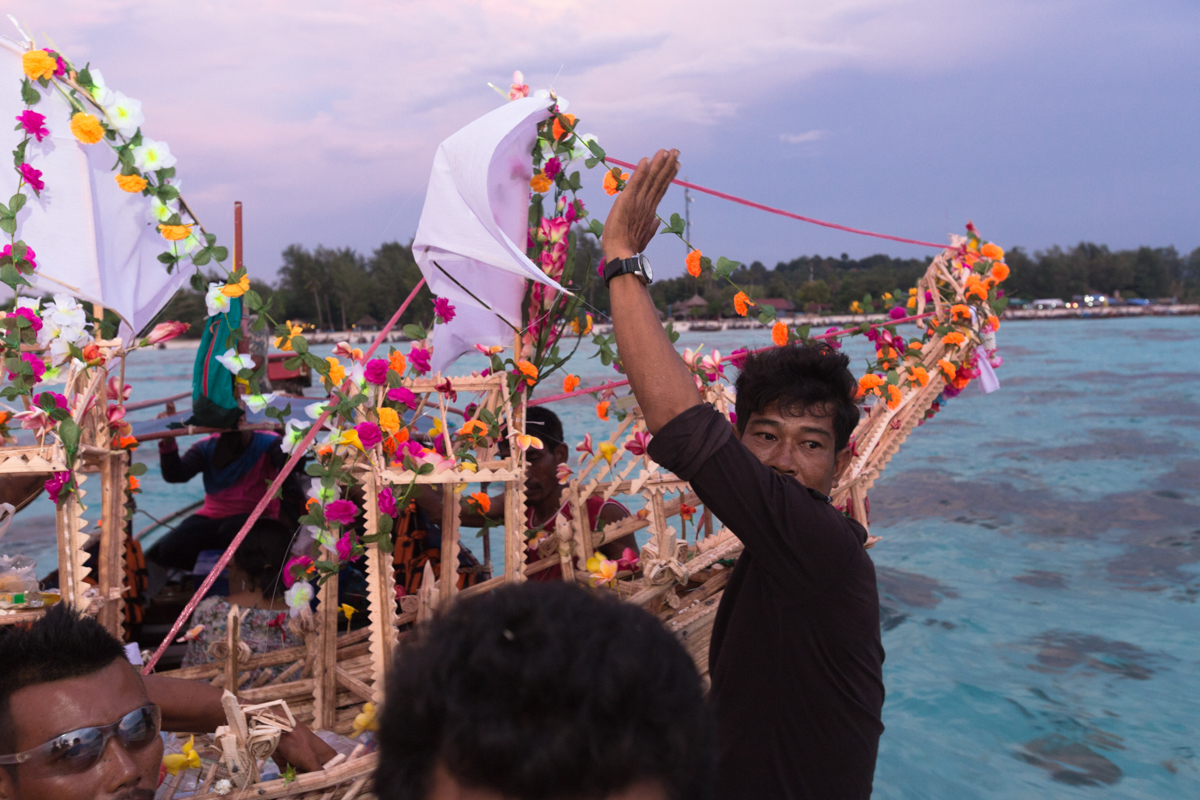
<point x="79" y="750"/>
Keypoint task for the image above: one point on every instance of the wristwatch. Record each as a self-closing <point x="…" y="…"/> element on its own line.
<point x="637" y="265"/>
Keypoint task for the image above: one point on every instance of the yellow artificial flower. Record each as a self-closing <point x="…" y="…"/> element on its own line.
<point x="607" y="451"/>
<point x="365" y="721"/>
<point x="436" y="428"/>
<point x="350" y="438"/>
<point x="175" y="233"/>
<point x="285" y="344"/>
<point x="337" y="373"/>
<point x="348" y="610"/>
<point x="38" y="64"/>
<point x="131" y="183"/>
<point x="237" y="289"/>
<point x="389" y="420"/>
<point x="540" y="183"/>
<point x="188" y="759"/>
<point x="86" y="128"/>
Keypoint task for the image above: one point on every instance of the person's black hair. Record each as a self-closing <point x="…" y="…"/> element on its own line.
<point x="61" y="644"/>
<point x="263" y="554"/>
<point x="544" y="424"/>
<point x="813" y="379"/>
<point x="545" y="690"/>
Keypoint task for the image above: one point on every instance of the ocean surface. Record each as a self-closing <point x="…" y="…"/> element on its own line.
<point x="1038" y="571"/>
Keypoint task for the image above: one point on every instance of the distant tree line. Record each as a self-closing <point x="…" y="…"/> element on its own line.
<point x="336" y="289"/>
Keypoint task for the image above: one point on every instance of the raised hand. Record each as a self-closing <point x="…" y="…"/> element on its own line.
<point x="631" y="223"/>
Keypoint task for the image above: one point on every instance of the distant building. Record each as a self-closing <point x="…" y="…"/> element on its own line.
<point x="684" y="309"/>
<point x="782" y="305"/>
<point x="367" y="323"/>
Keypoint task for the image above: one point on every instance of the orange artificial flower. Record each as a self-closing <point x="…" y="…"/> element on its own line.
<point x="91" y="355"/>
<point x="530" y="371"/>
<point x="131" y="183"/>
<point x="3" y="417"/>
<point x="954" y="339"/>
<point x="587" y="326"/>
<point x="915" y="345"/>
<point x="134" y="483"/>
<point x="610" y="182"/>
<point x="693" y="263"/>
<point x="559" y="131"/>
<point x="397" y="362"/>
<point x="175" y="233"/>
<point x="86" y="128"/>
<point x="126" y="442"/>
<point x="741" y="303"/>
<point x="401" y="436"/>
<point x="540" y="183"/>
<point x="976" y="286"/>
<point x="992" y="251"/>
<point x="312" y="501"/>
<point x="389" y="420"/>
<point x="960" y="311"/>
<point x="482" y="501"/>
<point x="324" y="450"/>
<point x="994" y="322"/>
<point x="38" y="64"/>
<point x="947" y="369"/>
<point x="570" y="383"/>
<point x="473" y="427"/>
<point x="893" y="396"/>
<point x="918" y="375"/>
<point x="1000" y="272"/>
<point x="337" y="373"/>
<point x="237" y="289"/>
<point x="869" y="384"/>
<point x="779" y="334"/>
<point x="602" y="410"/>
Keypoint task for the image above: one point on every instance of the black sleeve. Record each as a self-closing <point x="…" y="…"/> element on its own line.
<point x="793" y="533"/>
<point x="180" y="470"/>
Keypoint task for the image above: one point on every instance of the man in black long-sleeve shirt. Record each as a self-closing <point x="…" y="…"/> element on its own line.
<point x="796" y="656"/>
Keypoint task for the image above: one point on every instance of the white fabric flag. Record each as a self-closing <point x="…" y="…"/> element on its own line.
<point x="474" y="225"/>
<point x="92" y="240"/>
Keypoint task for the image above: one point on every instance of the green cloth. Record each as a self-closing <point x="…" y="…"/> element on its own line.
<point x="213" y="402"/>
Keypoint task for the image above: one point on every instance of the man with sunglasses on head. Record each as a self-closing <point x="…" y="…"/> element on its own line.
<point x="77" y="721"/>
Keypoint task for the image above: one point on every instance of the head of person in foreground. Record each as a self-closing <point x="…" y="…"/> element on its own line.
<point x="796" y="410"/>
<point x="544" y="692"/>
<point x="75" y="719"/>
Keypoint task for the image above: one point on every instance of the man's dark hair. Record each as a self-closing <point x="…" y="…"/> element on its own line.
<point x="813" y="379"/>
<point x="545" y="690"/>
<point x="263" y="553"/>
<point x="62" y="644"/>
<point x="545" y="425"/>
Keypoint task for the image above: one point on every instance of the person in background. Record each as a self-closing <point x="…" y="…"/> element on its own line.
<point x="796" y="656"/>
<point x="255" y="587"/>
<point x="237" y="467"/>
<point x="77" y="721"/>
<point x="544" y="692"/>
<point x="543" y="495"/>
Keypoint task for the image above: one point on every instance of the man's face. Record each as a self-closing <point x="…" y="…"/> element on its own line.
<point x="541" y="471"/>
<point x="801" y="446"/>
<point x="44" y="711"/>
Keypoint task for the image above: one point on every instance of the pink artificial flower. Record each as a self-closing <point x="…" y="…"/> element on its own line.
<point x="118" y="394"/>
<point x="59" y="400"/>
<point x="341" y="511"/>
<point x="519" y="87"/>
<point x="409" y="448"/>
<point x="419" y="358"/>
<point x="600" y="268"/>
<point x="387" y="501"/>
<point x="573" y="211"/>
<point x="33" y="123"/>
<point x="304" y="562"/>
<point x="35" y="321"/>
<point x="116" y="419"/>
<point x="344" y="350"/>
<point x="833" y="341"/>
<point x="345" y="546"/>
<point x="55" y="484"/>
<point x="443" y="309"/>
<point x="32" y="176"/>
<point x="712" y="365"/>
<point x="447" y="388"/>
<point x="403" y="396"/>
<point x="628" y="560"/>
<point x="35" y="363"/>
<point x="36" y="420"/>
<point x="166" y="331"/>
<point x="553" y="229"/>
<point x="639" y="443"/>
<point x="585" y="447"/>
<point x="552" y="167"/>
<point x="369" y="434"/>
<point x="898" y="313"/>
<point x="738" y="357"/>
<point x="61" y="69"/>
<point x="29" y="254"/>
<point x="376" y="371"/>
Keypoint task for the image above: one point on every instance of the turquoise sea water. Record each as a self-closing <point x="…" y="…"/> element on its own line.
<point x="1038" y="572"/>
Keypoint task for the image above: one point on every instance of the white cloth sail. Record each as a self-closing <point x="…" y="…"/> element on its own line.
<point x="473" y="226"/>
<point x="93" y="241"/>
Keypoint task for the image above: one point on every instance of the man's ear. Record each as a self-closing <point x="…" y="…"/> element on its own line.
<point x="561" y="453"/>
<point x="840" y="462"/>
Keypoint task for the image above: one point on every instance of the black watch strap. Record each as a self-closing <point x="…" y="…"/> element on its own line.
<point x="625" y="266"/>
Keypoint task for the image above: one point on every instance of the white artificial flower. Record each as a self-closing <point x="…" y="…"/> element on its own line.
<point x="159" y="211"/>
<point x="298" y="597"/>
<point x="292" y="434"/>
<point x="234" y="361"/>
<point x="101" y="93"/>
<point x="151" y="155"/>
<point x="315" y="410"/>
<point x="323" y="495"/>
<point x="126" y="116"/>
<point x="357" y="373"/>
<point x="223" y="787"/>
<point x="257" y="402"/>
<point x="64" y="322"/>
<point x="32" y="303"/>
<point x="216" y="302"/>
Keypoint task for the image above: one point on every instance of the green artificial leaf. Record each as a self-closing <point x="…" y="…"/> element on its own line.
<point x="167" y="257"/>
<point x="801" y="332"/>
<point x="84" y="78"/>
<point x="385" y="525"/>
<point x="68" y="431"/>
<point x="8" y="225"/>
<point x="9" y="273"/>
<point x="315" y="469"/>
<point x="29" y="95"/>
<point x="16" y="203"/>
<point x="174" y="219"/>
<point x="220" y="253"/>
<point x="166" y="192"/>
<point x="166" y="174"/>
<point x="597" y="228"/>
<point x="299" y="345"/>
<point x="198" y="283"/>
<point x="252" y="300"/>
<point x="137" y="470"/>
<point x="415" y="331"/>
<point x="595" y="148"/>
<point x="999" y="305"/>
<point x="725" y="267"/>
<point x="202" y="257"/>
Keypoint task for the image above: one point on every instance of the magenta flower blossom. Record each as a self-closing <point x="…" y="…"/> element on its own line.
<point x="34" y="124"/>
<point x="376" y="371"/>
<point x="61" y="69"/>
<point x="59" y="400"/>
<point x="166" y="331"/>
<point x="738" y="357"/>
<point x="898" y="313"/>
<point x="36" y="364"/>
<point x="55" y="485"/>
<point x="833" y="341"/>
<point x="345" y="546"/>
<point x="408" y="448"/>
<point x="32" y="176"/>
<point x="600" y="268"/>
<point x="35" y="321"/>
<point x="304" y="562"/>
<point x="387" y="501"/>
<point x="419" y="358"/>
<point x="369" y="434"/>
<point x="403" y="396"/>
<point x="341" y="511"/>
<point x="639" y="443"/>
<point x="552" y="167"/>
<point x="29" y="255"/>
<point x="443" y="309"/>
<point x="573" y="211"/>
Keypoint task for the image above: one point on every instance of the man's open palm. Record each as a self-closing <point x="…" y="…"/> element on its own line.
<point x="631" y="223"/>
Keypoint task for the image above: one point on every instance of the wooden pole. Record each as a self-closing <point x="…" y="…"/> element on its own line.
<point x="237" y="234"/>
<point x="325" y="669"/>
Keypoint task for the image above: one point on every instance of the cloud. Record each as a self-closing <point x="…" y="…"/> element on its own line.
<point x="800" y="138"/>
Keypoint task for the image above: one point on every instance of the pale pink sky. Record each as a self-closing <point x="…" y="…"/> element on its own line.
<point x="1047" y="122"/>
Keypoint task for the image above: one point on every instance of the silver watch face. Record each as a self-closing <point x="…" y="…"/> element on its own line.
<point x="646" y="270"/>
